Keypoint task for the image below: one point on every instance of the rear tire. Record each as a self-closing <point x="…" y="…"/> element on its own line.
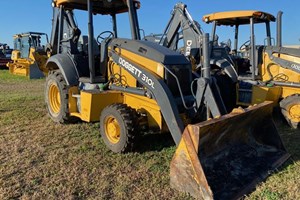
<point x="57" y="98"/>
<point x="118" y="127"/>
<point x="290" y="109"/>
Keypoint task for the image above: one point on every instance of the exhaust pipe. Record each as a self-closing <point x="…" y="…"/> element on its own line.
<point x="279" y="29"/>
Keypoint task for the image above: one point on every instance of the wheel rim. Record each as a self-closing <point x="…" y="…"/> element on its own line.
<point x="294" y="113"/>
<point x="112" y="129"/>
<point x="54" y="98"/>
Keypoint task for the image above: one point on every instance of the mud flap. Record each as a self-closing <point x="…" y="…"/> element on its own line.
<point x="226" y="158"/>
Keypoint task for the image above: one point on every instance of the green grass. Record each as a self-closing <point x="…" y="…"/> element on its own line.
<point x="40" y="159"/>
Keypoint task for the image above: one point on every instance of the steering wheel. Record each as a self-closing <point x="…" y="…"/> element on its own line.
<point x="245" y="46"/>
<point x="104" y="36"/>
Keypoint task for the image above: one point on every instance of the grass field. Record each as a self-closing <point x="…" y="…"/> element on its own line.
<point x="40" y="159"/>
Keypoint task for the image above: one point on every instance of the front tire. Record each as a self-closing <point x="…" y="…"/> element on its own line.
<point x="290" y="109"/>
<point x="118" y="126"/>
<point x="57" y="98"/>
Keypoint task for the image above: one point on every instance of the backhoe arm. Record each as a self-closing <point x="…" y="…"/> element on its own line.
<point x="190" y="31"/>
<point x="65" y="33"/>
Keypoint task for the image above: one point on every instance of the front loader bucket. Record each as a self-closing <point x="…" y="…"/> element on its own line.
<point x="225" y="158"/>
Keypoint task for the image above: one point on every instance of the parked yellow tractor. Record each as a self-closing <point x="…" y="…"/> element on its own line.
<point x="29" y="55"/>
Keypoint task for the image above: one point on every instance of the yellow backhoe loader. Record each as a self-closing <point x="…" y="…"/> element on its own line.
<point x="126" y="83"/>
<point x="29" y="56"/>
<point x="266" y="71"/>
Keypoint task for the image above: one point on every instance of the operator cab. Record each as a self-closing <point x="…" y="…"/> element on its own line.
<point x="89" y="50"/>
<point x="23" y="42"/>
<point x="248" y="56"/>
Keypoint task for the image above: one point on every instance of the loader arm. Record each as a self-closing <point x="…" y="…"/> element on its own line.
<point x="63" y="22"/>
<point x="158" y="91"/>
<point x="287" y="64"/>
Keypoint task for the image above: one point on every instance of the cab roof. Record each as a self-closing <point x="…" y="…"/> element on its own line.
<point x="241" y="17"/>
<point x="29" y="34"/>
<point x="104" y="7"/>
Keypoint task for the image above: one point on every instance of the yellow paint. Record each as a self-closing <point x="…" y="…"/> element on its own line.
<point x="294" y="113"/>
<point x="230" y="17"/>
<point x="15" y="55"/>
<point x="281" y="74"/>
<point x="54" y="98"/>
<point x="148" y="64"/>
<point x="21" y="66"/>
<point x="112" y="129"/>
<point x="92" y="104"/>
<point x="73" y="100"/>
<point x="262" y="93"/>
<point x="40" y="60"/>
<point x="122" y="77"/>
<point x="99" y="8"/>
<point x="288" y="91"/>
<point x="146" y="106"/>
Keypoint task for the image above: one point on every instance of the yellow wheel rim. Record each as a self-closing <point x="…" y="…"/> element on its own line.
<point x="112" y="129"/>
<point x="54" y="98"/>
<point x="294" y="113"/>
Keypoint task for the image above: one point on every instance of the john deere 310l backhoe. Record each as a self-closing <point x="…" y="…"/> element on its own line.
<point x="126" y="83"/>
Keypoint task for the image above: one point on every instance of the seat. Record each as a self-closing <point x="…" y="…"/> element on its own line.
<point x="104" y="55"/>
<point x="83" y="45"/>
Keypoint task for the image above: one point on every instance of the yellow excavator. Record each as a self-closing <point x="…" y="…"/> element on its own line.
<point x="129" y="83"/>
<point x="266" y="71"/>
<point x="29" y="55"/>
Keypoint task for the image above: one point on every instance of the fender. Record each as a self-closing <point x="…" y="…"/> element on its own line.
<point x="67" y="67"/>
<point x="227" y="66"/>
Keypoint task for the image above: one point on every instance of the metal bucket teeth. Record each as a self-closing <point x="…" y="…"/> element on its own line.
<point x="225" y="158"/>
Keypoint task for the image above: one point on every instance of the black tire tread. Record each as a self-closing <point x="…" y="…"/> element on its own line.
<point x="64" y="113"/>
<point x="129" y="117"/>
<point x="284" y="103"/>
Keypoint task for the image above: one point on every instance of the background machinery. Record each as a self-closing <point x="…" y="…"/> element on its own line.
<point x="29" y="55"/>
<point x="184" y="35"/>
<point x="266" y="71"/>
<point x="130" y="83"/>
<point x="5" y="53"/>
